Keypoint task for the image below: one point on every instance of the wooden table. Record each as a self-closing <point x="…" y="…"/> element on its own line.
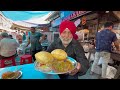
<point x="115" y="56"/>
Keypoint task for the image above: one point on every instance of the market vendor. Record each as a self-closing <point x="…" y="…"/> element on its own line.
<point x="35" y="38"/>
<point x="68" y="42"/>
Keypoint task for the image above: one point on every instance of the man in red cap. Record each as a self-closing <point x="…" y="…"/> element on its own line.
<point x="68" y="42"/>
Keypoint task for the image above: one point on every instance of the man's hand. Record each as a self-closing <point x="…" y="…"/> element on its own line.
<point x="77" y="69"/>
<point x="26" y="46"/>
<point x="28" y="43"/>
<point x="116" y="43"/>
<point x="42" y="38"/>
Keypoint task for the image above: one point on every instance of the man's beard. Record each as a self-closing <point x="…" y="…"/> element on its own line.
<point x="66" y="41"/>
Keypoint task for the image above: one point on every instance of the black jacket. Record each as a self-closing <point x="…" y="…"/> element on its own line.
<point x="74" y="50"/>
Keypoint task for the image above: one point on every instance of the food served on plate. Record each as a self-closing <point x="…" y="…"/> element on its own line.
<point x="62" y="66"/>
<point x="56" y="61"/>
<point x="43" y="67"/>
<point x="59" y="54"/>
<point x="10" y="75"/>
<point x="44" y="57"/>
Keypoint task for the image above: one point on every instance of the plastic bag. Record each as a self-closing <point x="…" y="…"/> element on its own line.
<point x="111" y="71"/>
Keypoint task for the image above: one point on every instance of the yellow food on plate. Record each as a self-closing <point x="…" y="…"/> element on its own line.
<point x="56" y="61"/>
<point x="62" y="66"/>
<point x="59" y="54"/>
<point x="10" y="75"/>
<point x="44" y="57"/>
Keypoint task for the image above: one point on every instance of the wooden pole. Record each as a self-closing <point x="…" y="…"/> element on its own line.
<point x="98" y="20"/>
<point x="97" y="26"/>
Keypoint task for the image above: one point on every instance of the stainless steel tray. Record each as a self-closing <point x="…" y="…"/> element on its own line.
<point x="73" y="61"/>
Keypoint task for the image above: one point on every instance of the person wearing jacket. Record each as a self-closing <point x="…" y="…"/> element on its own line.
<point x="67" y="41"/>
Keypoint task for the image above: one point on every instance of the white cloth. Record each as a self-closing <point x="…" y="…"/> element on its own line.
<point x="111" y="71"/>
<point x="21" y="48"/>
<point x="80" y="35"/>
<point x="8" y="47"/>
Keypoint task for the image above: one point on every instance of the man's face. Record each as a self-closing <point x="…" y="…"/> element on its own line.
<point x="78" y="28"/>
<point x="111" y="27"/>
<point x="66" y="36"/>
<point x="20" y="40"/>
<point x="32" y="30"/>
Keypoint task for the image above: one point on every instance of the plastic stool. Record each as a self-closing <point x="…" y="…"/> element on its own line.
<point x="8" y="59"/>
<point x="25" y="57"/>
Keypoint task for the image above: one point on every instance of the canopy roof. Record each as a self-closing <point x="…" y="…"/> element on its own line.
<point x="35" y="17"/>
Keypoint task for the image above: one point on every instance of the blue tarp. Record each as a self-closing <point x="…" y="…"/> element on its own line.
<point x="56" y="22"/>
<point x="24" y="15"/>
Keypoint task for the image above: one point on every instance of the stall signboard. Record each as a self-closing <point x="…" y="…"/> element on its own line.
<point x="76" y="14"/>
<point x="77" y="22"/>
<point x="56" y="22"/>
<point x="65" y="14"/>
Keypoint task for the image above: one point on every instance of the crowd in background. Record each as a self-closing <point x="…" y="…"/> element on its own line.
<point x="17" y="43"/>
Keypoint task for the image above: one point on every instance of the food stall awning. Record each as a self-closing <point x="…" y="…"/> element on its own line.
<point x="30" y="17"/>
<point x="117" y="13"/>
<point x="25" y="24"/>
<point x="6" y="29"/>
